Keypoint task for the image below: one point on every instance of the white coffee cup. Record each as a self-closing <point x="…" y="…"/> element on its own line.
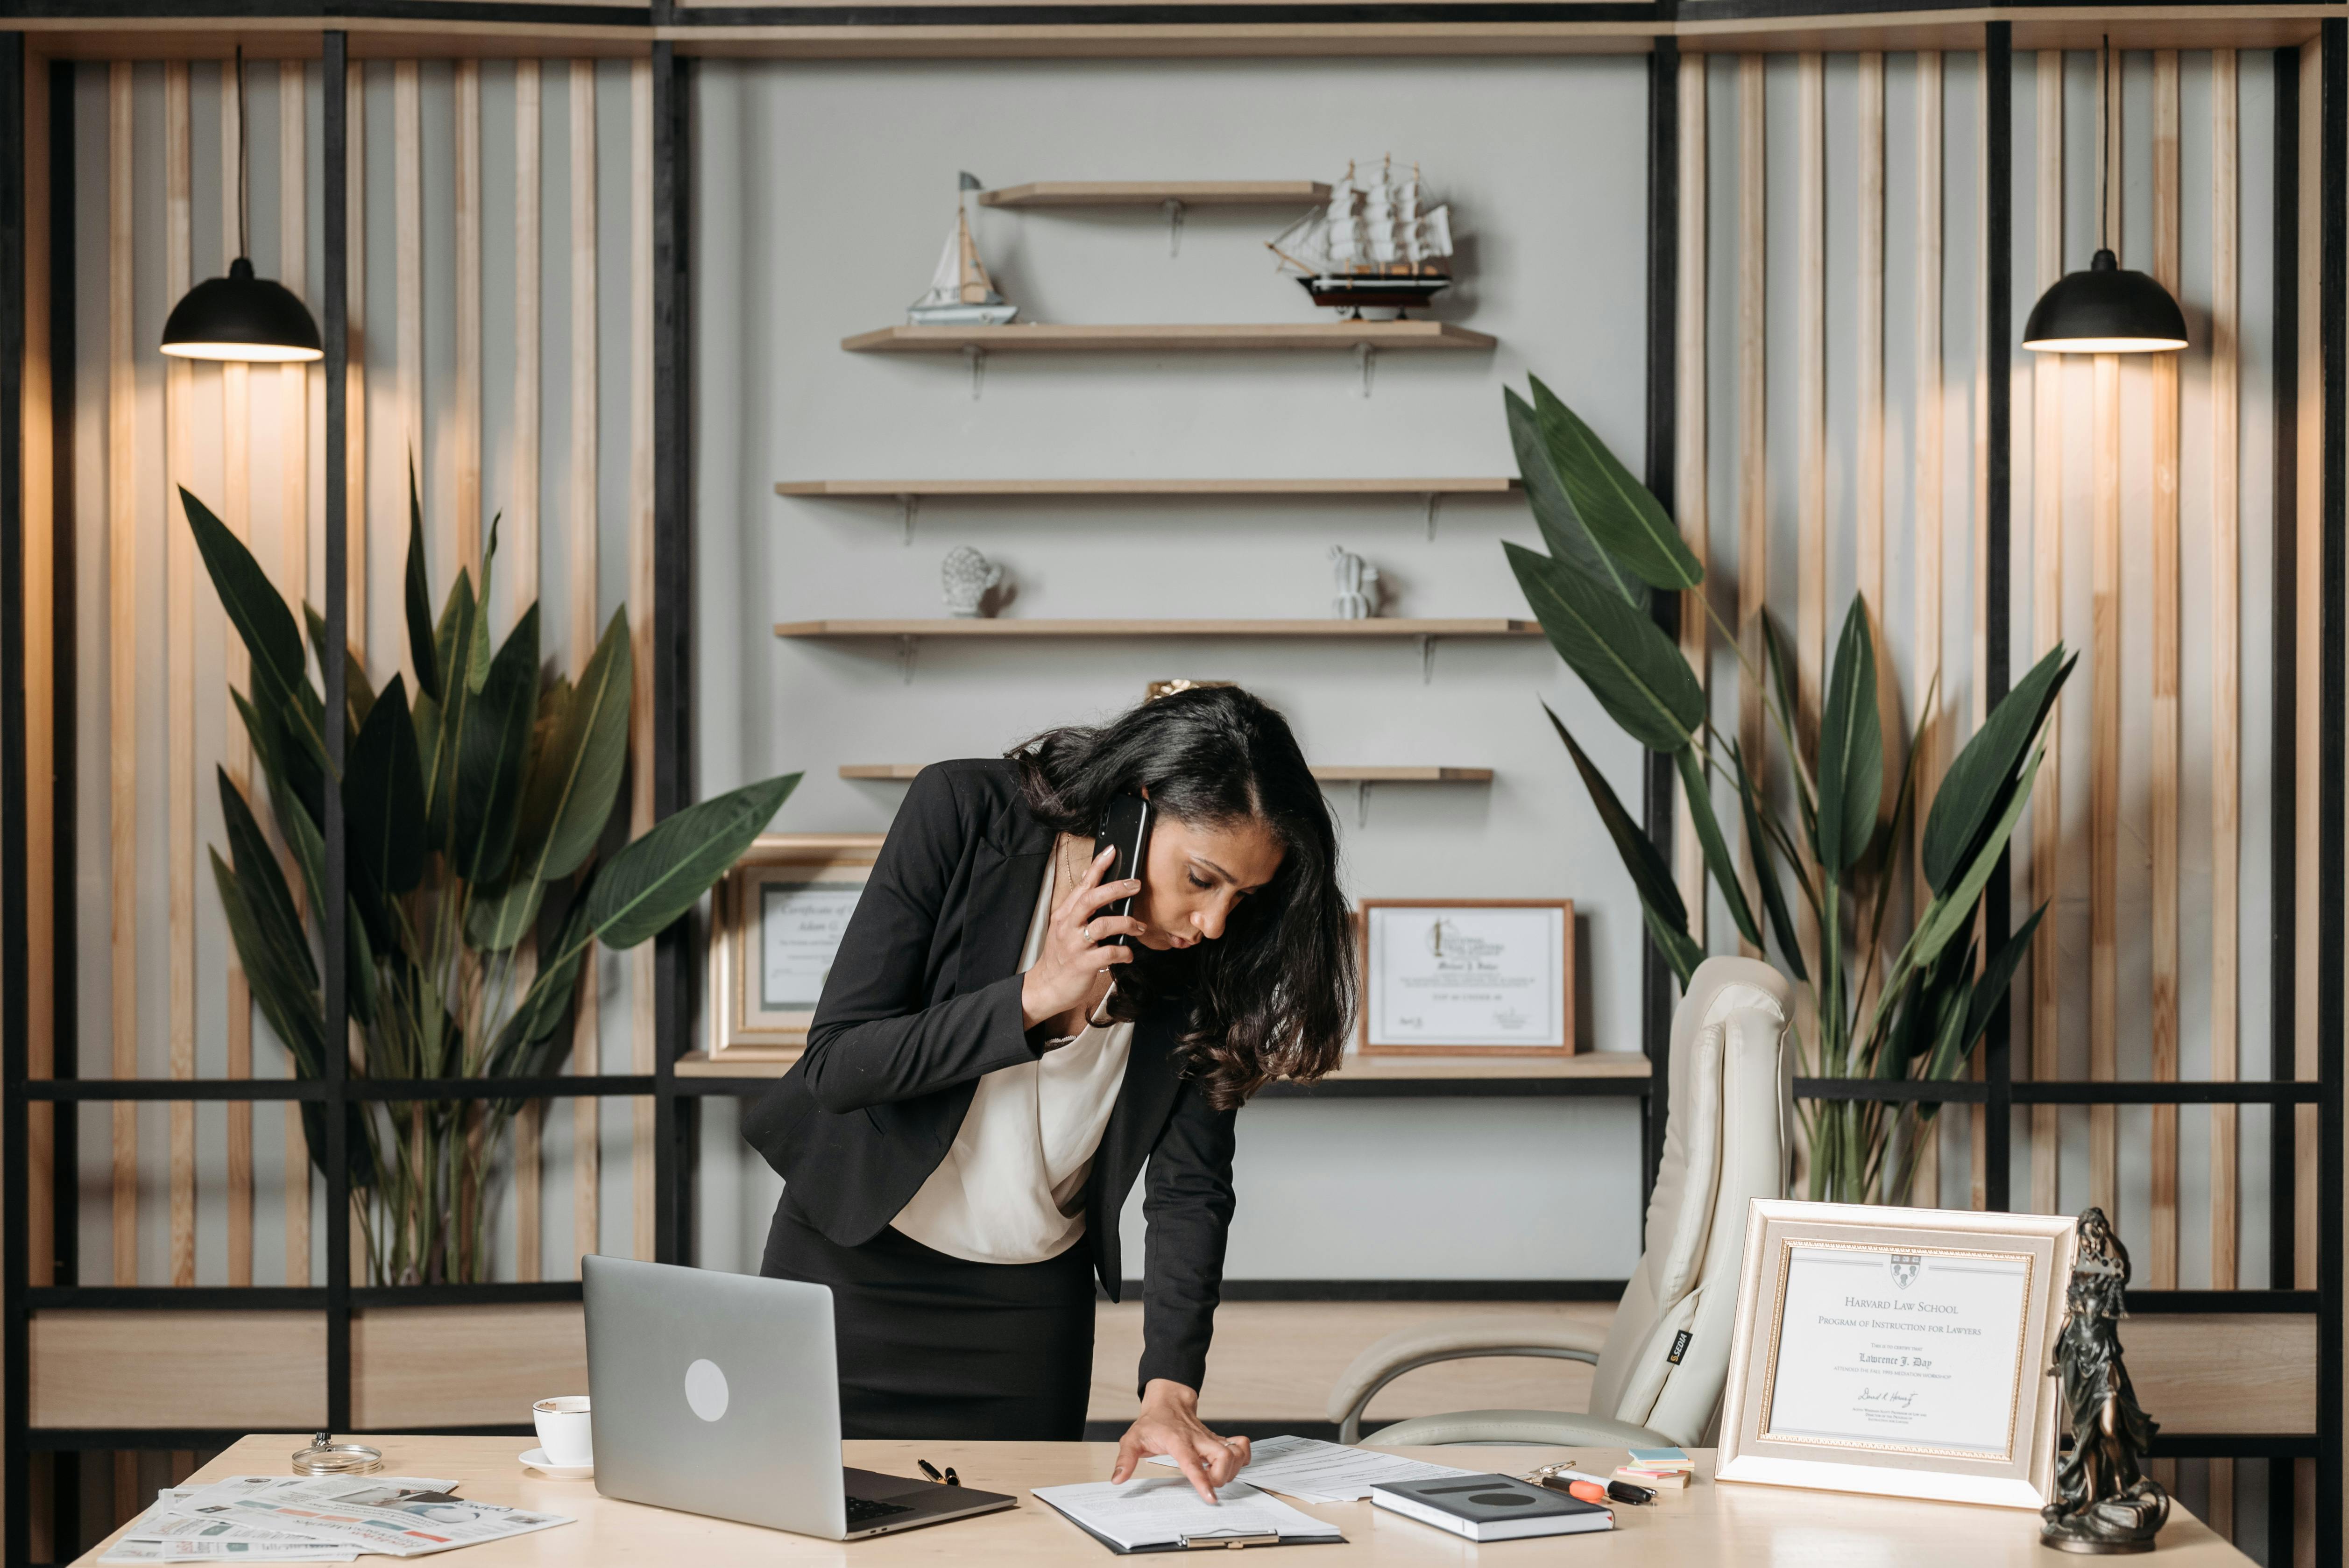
<point x="563" y="1431"/>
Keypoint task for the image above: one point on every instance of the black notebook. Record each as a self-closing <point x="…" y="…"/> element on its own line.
<point x="1491" y="1507"/>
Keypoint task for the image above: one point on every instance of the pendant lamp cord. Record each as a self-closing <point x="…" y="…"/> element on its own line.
<point x="244" y="161"/>
<point x="2104" y="147"/>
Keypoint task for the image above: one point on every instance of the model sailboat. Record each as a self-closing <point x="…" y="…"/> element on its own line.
<point x="1377" y="245"/>
<point x="961" y="294"/>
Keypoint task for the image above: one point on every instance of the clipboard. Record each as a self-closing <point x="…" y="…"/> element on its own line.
<point x="1221" y="1542"/>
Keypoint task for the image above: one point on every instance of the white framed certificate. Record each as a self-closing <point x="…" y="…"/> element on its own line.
<point x="777" y="920"/>
<point x="1901" y="1351"/>
<point x="1472" y="976"/>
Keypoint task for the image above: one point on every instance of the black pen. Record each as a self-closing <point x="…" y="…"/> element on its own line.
<point x="931" y="1471"/>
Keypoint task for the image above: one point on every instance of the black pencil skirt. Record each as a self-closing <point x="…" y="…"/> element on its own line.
<point x="938" y="1346"/>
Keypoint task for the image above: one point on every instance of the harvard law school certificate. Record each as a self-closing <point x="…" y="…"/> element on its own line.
<point x="1915" y="1351"/>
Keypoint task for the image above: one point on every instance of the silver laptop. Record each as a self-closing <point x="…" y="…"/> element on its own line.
<point x="719" y="1393"/>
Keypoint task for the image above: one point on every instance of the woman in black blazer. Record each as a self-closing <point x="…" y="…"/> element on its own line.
<point x="989" y="1070"/>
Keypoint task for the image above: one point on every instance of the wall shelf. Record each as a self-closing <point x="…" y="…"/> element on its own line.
<point x="1065" y="337"/>
<point x="902" y="773"/>
<point x="1157" y="193"/>
<point x="899" y="490"/>
<point x="1375" y="628"/>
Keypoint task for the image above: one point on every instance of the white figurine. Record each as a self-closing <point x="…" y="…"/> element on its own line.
<point x="1358" y="585"/>
<point x="967" y="577"/>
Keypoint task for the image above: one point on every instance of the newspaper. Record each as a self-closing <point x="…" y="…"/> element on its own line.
<point x="396" y="1516"/>
<point x="164" y="1535"/>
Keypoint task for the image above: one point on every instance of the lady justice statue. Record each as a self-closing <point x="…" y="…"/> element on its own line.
<point x="2103" y="1502"/>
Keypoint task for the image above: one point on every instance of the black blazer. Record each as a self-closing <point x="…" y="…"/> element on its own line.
<point x="923" y="999"/>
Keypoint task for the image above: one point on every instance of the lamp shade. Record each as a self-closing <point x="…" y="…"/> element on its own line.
<point x="244" y="317"/>
<point x="2105" y="310"/>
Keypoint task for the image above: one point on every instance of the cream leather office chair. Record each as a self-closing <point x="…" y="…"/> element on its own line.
<point x="1728" y="1134"/>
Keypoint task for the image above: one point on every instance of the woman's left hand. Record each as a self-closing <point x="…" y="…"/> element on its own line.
<point x="1170" y="1425"/>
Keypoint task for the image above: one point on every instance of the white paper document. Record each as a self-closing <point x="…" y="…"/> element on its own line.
<point x="1912" y="1351"/>
<point x="165" y="1534"/>
<point x="1161" y="1511"/>
<point x="396" y="1516"/>
<point x="1311" y="1470"/>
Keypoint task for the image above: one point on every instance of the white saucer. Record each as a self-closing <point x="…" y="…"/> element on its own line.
<point x="536" y="1459"/>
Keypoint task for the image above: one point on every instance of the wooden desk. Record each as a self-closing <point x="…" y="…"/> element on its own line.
<point x="1707" y="1524"/>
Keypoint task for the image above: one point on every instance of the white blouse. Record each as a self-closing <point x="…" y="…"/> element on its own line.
<point x="1012" y="1187"/>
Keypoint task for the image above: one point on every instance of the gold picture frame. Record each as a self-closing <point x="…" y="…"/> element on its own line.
<point x="1910" y="1359"/>
<point x="816" y="877"/>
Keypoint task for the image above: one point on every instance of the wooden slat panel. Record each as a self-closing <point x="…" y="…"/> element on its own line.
<point x="42" y="422"/>
<point x="123" y="558"/>
<point x="180" y="632"/>
<point x="1753" y="413"/>
<point x="263" y="1371"/>
<point x="2226" y="667"/>
<point x="2161" y="1265"/>
<point x="585" y="1051"/>
<point x="2311" y="961"/>
<point x="236" y="477"/>
<point x="294" y="524"/>
<point x="467" y="460"/>
<point x="421" y="1369"/>
<point x="640" y="603"/>
<point x="521" y="534"/>
<point x="1810" y="453"/>
<point x="2047" y="631"/>
<point x="1690" y="474"/>
<point x="355" y="509"/>
<point x="1926" y="638"/>
<point x="1978" y="1116"/>
<point x="407" y="261"/>
<point x="1868" y="331"/>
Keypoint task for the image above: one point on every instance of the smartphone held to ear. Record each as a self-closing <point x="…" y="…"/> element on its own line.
<point x="1126" y="828"/>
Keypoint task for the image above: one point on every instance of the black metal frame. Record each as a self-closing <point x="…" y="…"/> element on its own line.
<point x="676" y="1101"/>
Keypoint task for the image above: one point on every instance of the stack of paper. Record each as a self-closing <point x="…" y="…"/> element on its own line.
<point x="1164" y="1512"/>
<point x="315" y="1519"/>
<point x="1662" y="1468"/>
<point x="1311" y="1470"/>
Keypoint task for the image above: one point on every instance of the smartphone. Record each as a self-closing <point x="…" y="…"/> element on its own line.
<point x="1126" y="828"/>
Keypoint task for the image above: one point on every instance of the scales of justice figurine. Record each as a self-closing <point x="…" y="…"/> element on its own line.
<point x="2103" y="1503"/>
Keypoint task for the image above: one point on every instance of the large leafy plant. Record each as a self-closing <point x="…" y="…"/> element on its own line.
<point x="474" y="809"/>
<point x="1882" y="1005"/>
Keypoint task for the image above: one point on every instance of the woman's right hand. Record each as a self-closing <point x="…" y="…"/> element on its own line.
<point x="1077" y="951"/>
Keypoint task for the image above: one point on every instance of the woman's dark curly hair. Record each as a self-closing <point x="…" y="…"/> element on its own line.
<point x="1273" y="997"/>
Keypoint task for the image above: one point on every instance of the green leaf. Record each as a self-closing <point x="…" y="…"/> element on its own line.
<point x="292" y="1008"/>
<point x="1695" y="790"/>
<point x="1974" y="791"/>
<point x="1553" y="514"/>
<point x="548" y="998"/>
<point x="1626" y="520"/>
<point x="575" y="774"/>
<point x="1651" y="878"/>
<point x="457" y="691"/>
<point x="494" y="755"/>
<point x="1951" y="909"/>
<point x="1765" y="867"/>
<point x="355" y="689"/>
<point x="1638" y="676"/>
<point x="477" y="666"/>
<point x="640" y="891"/>
<point x="1851" y="748"/>
<point x="274" y="920"/>
<point x="383" y="795"/>
<point x="495" y="922"/>
<point x="417" y="597"/>
<point x="1990" y="988"/>
<point x="280" y="675"/>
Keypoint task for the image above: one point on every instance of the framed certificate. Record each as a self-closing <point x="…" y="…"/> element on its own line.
<point x="1475" y="976"/>
<point x="1901" y="1351"/>
<point x="777" y="921"/>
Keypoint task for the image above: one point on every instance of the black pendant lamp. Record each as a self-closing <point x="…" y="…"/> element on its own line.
<point x="2108" y="309"/>
<point x="241" y="316"/>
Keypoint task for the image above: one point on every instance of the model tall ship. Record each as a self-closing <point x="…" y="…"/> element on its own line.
<point x="1377" y="245"/>
<point x="961" y="294"/>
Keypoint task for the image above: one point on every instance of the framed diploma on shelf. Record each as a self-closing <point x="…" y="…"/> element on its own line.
<point x="776" y="920"/>
<point x="1467" y="976"/>
<point x="1900" y="1351"/>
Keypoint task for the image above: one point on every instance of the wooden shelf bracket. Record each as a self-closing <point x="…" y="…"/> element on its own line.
<point x="975" y="358"/>
<point x="1174" y="211"/>
<point x="906" y="646"/>
<point x="1366" y="355"/>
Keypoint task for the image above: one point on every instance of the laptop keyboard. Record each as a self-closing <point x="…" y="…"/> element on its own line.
<point x="865" y="1510"/>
